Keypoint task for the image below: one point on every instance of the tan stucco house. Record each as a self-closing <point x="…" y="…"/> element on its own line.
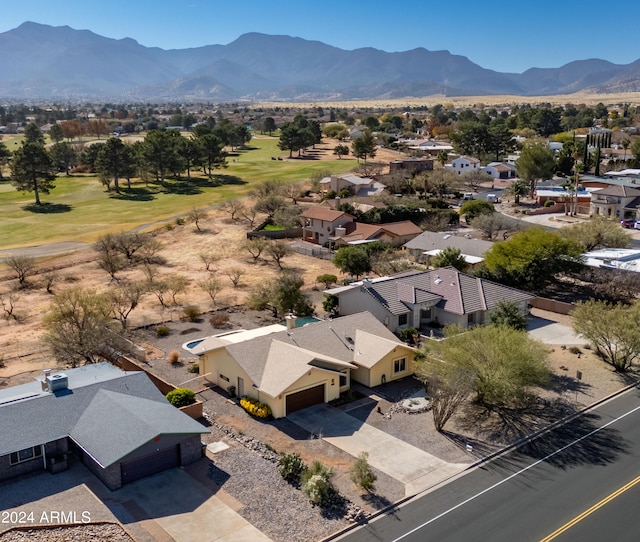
<point x="291" y="368"/>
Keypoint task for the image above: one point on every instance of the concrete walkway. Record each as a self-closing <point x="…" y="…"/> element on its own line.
<point x="415" y="468"/>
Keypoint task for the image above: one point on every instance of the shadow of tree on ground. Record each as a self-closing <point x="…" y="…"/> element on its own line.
<point x="48" y="208"/>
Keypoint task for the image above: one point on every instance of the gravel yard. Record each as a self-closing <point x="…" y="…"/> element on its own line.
<point x="106" y="532"/>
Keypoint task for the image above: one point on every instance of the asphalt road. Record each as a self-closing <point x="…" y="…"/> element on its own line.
<point x="579" y="482"/>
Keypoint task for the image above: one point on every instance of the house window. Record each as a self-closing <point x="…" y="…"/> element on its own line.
<point x="399" y="365"/>
<point x="25" y="455"/>
<point x="343" y="380"/>
<point x="402" y="320"/>
<point x="470" y="318"/>
<point x="425" y="314"/>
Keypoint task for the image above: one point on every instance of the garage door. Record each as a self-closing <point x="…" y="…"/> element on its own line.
<point x="305" y="398"/>
<point x="150" y="464"/>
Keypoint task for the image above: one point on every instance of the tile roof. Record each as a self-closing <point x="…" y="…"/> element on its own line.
<point x="108" y="412"/>
<point x="618" y="190"/>
<point x="447" y="288"/>
<point x="319" y="212"/>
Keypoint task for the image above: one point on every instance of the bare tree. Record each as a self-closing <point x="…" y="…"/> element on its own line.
<point x="212" y="286"/>
<point x="176" y="284"/>
<point x="159" y="288"/>
<point x="148" y="252"/>
<point x="48" y="279"/>
<point x="249" y="214"/>
<point x="235" y="276"/>
<point x="278" y="251"/>
<point x="22" y="266"/>
<point x="208" y="259"/>
<point x="196" y="216"/>
<point x="75" y="324"/>
<point x="8" y="302"/>
<point x="233" y="208"/>
<point x="111" y="262"/>
<point x="256" y="246"/>
<point x="125" y="298"/>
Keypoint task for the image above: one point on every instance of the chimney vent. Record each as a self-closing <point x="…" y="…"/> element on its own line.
<point x="290" y="319"/>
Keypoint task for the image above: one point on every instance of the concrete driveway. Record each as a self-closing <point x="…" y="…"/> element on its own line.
<point x="550" y="332"/>
<point x="177" y="505"/>
<point x="415" y="468"/>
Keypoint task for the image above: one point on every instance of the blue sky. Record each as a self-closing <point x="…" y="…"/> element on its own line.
<point x="500" y="35"/>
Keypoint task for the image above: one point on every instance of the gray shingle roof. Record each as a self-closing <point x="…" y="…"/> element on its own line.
<point x="437" y="240"/>
<point x="109" y="413"/>
<point x="453" y="291"/>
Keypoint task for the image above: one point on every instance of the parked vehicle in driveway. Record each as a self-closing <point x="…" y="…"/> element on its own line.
<point x="636" y="225"/>
<point x="628" y="222"/>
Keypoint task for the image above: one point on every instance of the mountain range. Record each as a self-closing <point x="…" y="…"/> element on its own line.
<point x="45" y="62"/>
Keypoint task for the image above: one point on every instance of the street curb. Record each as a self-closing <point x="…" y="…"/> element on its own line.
<point x="483" y="461"/>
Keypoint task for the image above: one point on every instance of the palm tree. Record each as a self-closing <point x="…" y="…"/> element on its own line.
<point x="625" y="145"/>
<point x="442" y="157"/>
<point x="516" y="189"/>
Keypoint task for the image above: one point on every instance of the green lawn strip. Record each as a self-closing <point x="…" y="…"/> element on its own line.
<point x="79" y="208"/>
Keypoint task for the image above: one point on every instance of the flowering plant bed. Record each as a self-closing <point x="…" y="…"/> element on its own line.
<point x="256" y="408"/>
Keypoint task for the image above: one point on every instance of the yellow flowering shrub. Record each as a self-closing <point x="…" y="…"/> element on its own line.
<point x="255" y="407"/>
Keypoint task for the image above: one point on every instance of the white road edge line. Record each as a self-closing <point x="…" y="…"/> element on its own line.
<point x="518" y="473"/>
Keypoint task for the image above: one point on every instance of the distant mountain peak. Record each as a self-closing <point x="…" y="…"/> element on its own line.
<point x="43" y="61"/>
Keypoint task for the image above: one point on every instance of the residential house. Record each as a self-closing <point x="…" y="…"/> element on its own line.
<point x="428" y="244"/>
<point x="117" y="423"/>
<point x="559" y="194"/>
<point x="462" y="164"/>
<point x="408" y="167"/>
<point x="358" y="186"/>
<point x="394" y="233"/>
<point x="320" y="223"/>
<point x="626" y="259"/>
<point x="615" y="201"/>
<point x="418" y="299"/>
<point x="427" y="146"/>
<point x="500" y="170"/>
<point x="291" y="368"/>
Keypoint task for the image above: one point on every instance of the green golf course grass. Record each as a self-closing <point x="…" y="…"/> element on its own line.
<point x="80" y="209"/>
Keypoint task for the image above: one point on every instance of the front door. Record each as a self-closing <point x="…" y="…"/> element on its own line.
<point x="240" y="387"/>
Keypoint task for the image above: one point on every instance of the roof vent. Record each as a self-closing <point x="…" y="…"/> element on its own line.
<point x="438" y="280"/>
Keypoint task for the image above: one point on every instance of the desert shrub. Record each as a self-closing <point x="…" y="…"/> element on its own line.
<point x="255" y="407"/>
<point x="316" y="483"/>
<point x="361" y="473"/>
<point x="219" y="320"/>
<point x="549" y="203"/>
<point x="291" y="468"/>
<point x="173" y="357"/>
<point x="162" y="331"/>
<point x="181" y="397"/>
<point x="169" y="226"/>
<point x="194" y="368"/>
<point x="192" y="313"/>
<point x="575" y="350"/>
<point x="179" y="221"/>
<point x="409" y="335"/>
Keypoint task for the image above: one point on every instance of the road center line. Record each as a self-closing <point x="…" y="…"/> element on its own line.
<point x="518" y="473"/>
<point x="591" y="510"/>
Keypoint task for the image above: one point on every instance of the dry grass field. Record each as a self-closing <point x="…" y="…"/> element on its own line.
<point x="632" y="98"/>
